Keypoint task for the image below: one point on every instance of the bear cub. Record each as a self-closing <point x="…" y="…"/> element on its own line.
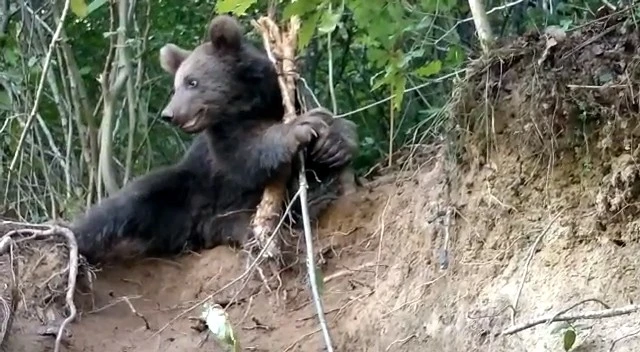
<point x="226" y="91"/>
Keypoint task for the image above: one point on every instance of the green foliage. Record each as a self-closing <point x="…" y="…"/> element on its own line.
<point x="430" y="69"/>
<point x="236" y="7"/>
<point x="378" y="48"/>
<point x="79" y="8"/>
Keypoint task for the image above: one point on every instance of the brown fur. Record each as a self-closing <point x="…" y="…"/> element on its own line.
<point x="225" y="90"/>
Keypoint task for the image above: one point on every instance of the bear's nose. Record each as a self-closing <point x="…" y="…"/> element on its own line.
<point x="166" y="115"/>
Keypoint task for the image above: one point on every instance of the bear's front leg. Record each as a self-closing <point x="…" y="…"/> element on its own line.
<point x="149" y="216"/>
<point x="272" y="152"/>
<point x="338" y="147"/>
<point x="327" y="158"/>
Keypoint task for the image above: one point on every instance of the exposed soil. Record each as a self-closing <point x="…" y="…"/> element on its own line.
<point x="544" y="186"/>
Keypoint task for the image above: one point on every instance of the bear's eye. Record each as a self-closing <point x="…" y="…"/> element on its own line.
<point x="192" y="83"/>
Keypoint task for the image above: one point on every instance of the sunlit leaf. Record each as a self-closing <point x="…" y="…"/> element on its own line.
<point x="236" y="7"/>
<point x="330" y="20"/>
<point x="10" y="56"/>
<point x="79" y="8"/>
<point x="416" y="53"/>
<point x="455" y="56"/>
<point x="94" y="5"/>
<point x="85" y="70"/>
<point x="5" y="100"/>
<point x="378" y="57"/>
<point x="429" y="69"/>
<point x="380" y="82"/>
<point x="306" y="30"/>
<point x="399" y="82"/>
<point x="32" y="61"/>
<point x="299" y="8"/>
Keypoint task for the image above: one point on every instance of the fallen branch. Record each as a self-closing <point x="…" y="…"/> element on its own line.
<point x="631" y="334"/>
<point x="6" y="241"/>
<point x="134" y="311"/>
<point x="285" y="44"/>
<point x="598" y="314"/>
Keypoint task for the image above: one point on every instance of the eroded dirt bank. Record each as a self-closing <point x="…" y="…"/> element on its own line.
<point x="539" y="189"/>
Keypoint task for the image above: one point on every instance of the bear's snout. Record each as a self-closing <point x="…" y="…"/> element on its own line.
<point x="166" y="115"/>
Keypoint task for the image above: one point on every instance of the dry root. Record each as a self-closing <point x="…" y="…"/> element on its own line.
<point x="27" y="240"/>
<point x="281" y="45"/>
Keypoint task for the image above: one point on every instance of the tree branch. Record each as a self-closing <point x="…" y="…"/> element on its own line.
<point x="605" y="313"/>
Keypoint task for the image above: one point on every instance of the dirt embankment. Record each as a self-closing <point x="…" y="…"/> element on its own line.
<point x="535" y="204"/>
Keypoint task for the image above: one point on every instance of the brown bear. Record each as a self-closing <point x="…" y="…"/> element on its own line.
<point x="226" y="90"/>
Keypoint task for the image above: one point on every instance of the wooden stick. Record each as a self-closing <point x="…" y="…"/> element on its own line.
<point x="267" y="213"/>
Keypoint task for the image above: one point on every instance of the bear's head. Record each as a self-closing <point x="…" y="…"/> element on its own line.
<point x="224" y="80"/>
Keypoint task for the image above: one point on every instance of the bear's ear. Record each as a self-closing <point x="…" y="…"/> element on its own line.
<point x="225" y="33"/>
<point x="171" y="56"/>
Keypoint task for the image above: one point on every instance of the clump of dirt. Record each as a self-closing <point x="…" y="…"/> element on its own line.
<point x="537" y="212"/>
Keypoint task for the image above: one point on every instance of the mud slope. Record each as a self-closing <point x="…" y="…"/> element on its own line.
<point x="535" y="202"/>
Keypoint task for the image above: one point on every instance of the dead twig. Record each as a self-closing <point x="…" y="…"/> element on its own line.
<point x="134" y="311"/>
<point x="127" y="300"/>
<point x="599" y="314"/>
<point x="564" y="311"/>
<point x="346" y="272"/>
<point x="532" y="251"/>
<point x="400" y="342"/>
<point x="632" y="334"/>
<point x="296" y="342"/>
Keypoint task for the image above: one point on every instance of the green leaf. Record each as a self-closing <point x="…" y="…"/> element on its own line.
<point x="455" y="56"/>
<point x="565" y="24"/>
<point x="79" y="8"/>
<point x="236" y="7"/>
<point x="85" y="70"/>
<point x="319" y="281"/>
<point x="299" y="8"/>
<point x="330" y="21"/>
<point x="306" y="30"/>
<point x="380" y="82"/>
<point x="5" y="100"/>
<point x="569" y="339"/>
<point x="32" y="61"/>
<point x="377" y="56"/>
<point x="10" y="56"/>
<point x="429" y="69"/>
<point x="94" y="5"/>
<point x="399" y="82"/>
